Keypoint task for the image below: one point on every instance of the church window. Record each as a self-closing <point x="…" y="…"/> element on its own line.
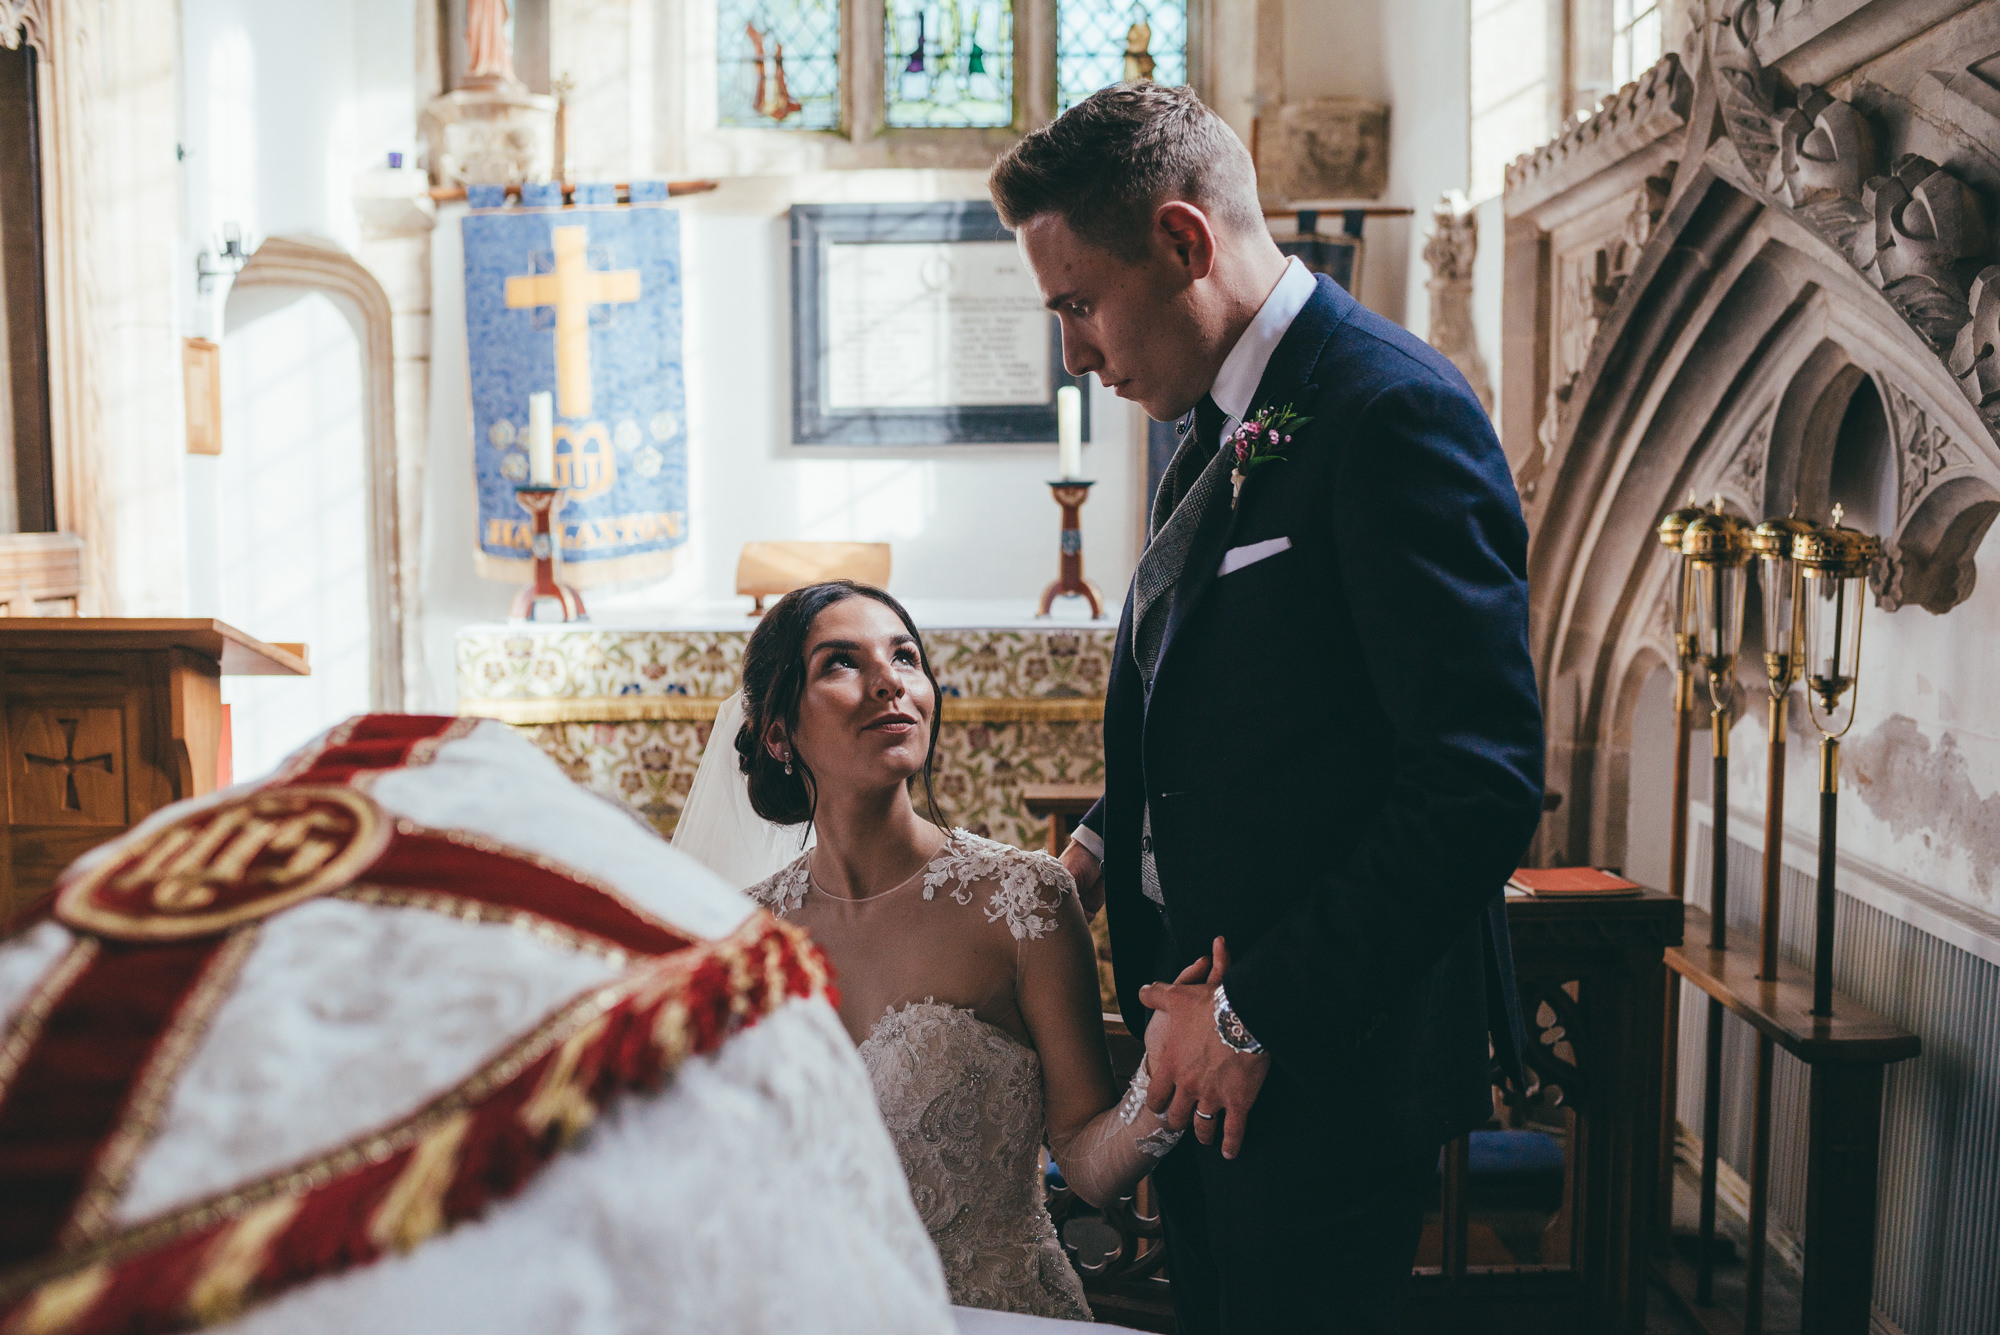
<point x="1102" y="42"/>
<point x="778" y="64"/>
<point x="1510" y="87"/>
<point x="1635" y="39"/>
<point x="949" y="64"/>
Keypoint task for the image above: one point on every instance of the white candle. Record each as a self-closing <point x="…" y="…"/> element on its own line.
<point x="1069" y="431"/>
<point x="541" y="440"/>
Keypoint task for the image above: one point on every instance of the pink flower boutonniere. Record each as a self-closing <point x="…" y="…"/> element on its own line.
<point x="1260" y="441"/>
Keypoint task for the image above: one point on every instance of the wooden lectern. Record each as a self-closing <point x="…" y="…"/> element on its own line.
<point x="106" y="721"/>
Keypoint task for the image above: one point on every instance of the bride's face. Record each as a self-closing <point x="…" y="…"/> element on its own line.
<point x="865" y="717"/>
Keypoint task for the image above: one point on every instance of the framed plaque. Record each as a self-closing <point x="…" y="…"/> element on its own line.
<point x="918" y="324"/>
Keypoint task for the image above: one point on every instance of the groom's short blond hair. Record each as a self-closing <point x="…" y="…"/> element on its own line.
<point x="1108" y="162"/>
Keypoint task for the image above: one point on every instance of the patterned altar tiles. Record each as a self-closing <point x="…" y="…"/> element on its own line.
<point x="501" y="664"/>
<point x="980" y="770"/>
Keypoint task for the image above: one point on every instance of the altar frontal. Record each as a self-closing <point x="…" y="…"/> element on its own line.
<point x="584" y="302"/>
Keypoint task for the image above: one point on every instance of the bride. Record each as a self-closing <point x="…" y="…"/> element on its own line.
<point x="966" y="970"/>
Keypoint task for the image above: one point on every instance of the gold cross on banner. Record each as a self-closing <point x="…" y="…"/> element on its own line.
<point x="573" y="289"/>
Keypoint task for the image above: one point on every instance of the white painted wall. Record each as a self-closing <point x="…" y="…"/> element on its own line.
<point x="279" y="521"/>
<point x="963" y="522"/>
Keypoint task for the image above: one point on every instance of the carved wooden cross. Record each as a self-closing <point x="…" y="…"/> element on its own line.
<point x="70" y="763"/>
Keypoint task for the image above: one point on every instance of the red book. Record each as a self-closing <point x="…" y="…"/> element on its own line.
<point x="1570" y="882"/>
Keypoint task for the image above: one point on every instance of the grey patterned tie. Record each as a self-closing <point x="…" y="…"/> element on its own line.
<point x="1179" y="510"/>
<point x="1195" y="481"/>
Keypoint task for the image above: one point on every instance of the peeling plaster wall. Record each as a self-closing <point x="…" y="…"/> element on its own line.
<point x="1920" y="770"/>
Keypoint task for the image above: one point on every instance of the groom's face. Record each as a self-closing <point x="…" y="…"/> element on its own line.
<point x="1131" y="322"/>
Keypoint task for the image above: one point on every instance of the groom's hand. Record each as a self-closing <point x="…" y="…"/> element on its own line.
<point x="1194" y="1071"/>
<point x="1088" y="873"/>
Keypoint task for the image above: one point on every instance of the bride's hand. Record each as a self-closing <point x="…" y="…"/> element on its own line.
<point x="1088" y="874"/>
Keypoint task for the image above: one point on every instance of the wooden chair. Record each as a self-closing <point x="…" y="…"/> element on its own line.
<point x="773" y="569"/>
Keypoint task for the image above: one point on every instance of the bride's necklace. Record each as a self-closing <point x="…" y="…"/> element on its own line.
<point x="812" y="878"/>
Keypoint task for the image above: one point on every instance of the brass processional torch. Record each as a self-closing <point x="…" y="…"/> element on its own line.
<point x="1778" y="581"/>
<point x="1717" y="548"/>
<point x="1834" y="564"/>
<point x="1671" y="530"/>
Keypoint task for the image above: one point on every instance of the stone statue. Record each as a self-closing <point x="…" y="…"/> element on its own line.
<point x="489" y="56"/>
<point x="1453" y="242"/>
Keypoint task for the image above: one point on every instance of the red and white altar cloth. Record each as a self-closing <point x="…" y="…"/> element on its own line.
<point x="267" y="1043"/>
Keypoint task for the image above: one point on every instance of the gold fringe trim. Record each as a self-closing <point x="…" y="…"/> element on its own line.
<point x="61" y="1304"/>
<point x="234" y="1259"/>
<point x="702" y="709"/>
<point x="414" y="1208"/>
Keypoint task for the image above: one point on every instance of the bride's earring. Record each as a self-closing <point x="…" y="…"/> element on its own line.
<point x="788" y="763"/>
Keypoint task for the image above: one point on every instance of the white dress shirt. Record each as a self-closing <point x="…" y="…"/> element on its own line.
<point x="1236" y="385"/>
<point x="1243" y="369"/>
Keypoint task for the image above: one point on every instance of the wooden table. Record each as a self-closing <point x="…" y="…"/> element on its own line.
<point x="108" y="719"/>
<point x="1844" y="1054"/>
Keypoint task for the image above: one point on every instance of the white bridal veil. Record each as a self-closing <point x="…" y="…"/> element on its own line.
<point x="717" y="826"/>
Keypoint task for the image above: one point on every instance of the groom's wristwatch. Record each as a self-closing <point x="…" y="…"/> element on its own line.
<point x="1231" y="1028"/>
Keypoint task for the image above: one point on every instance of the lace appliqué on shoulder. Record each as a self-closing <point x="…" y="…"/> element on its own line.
<point x="783" y="891"/>
<point x="1028" y="887"/>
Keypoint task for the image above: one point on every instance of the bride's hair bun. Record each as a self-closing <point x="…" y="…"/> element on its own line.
<point x="774" y="681"/>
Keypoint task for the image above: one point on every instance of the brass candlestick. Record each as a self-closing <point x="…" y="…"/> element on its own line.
<point x="542" y="502"/>
<point x="1834" y="564"/>
<point x="1069" y="581"/>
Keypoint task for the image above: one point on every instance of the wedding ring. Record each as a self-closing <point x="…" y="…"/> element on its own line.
<point x="1206" y="1117"/>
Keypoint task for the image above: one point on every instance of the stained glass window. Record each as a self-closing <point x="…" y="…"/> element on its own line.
<point x="778" y="64"/>
<point x="949" y="63"/>
<point x="1101" y="42"/>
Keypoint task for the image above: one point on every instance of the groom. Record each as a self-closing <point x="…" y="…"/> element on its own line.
<point x="1323" y="743"/>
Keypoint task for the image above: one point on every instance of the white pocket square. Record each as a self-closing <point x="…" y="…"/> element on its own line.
<point x="1237" y="557"/>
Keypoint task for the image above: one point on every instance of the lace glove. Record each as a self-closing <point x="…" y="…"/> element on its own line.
<point x="1118" y="1147"/>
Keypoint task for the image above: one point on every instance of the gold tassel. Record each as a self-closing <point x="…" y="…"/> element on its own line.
<point x="414" y="1208"/>
<point x="232" y="1261"/>
<point x="61" y="1304"/>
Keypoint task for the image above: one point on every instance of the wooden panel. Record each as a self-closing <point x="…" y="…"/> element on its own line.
<point x="68" y="765"/>
<point x="40" y="572"/>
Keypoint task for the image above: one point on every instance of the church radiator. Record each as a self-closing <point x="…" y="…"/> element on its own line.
<point x="1937" y="1261"/>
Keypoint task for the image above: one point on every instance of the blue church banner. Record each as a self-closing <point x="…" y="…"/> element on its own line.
<point x="585" y="302"/>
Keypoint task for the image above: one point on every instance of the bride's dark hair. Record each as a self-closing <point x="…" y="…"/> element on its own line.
<point x="774" y="681"/>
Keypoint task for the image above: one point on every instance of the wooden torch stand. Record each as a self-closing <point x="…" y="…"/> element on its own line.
<point x="1070" y="581"/>
<point x="542" y="503"/>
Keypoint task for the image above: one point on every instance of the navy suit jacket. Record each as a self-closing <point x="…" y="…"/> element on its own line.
<point x="1343" y="746"/>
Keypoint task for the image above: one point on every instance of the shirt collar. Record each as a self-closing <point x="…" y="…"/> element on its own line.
<point x="1243" y="369"/>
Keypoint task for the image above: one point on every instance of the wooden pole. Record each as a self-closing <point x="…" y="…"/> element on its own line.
<point x="1671" y="1031"/>
<point x="1718" y="939"/>
<point x="1767" y="969"/>
<point x="1829" y="811"/>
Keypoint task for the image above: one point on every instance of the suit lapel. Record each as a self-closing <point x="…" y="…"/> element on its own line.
<point x="1286" y="380"/>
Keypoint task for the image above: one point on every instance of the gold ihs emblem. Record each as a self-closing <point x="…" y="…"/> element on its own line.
<point x="221" y="865"/>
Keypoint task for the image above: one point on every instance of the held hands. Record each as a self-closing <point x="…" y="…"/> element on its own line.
<point x="1089" y="876"/>
<point x="1192" y="1068"/>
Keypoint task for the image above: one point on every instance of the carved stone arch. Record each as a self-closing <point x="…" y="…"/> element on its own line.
<point x="318" y="266"/>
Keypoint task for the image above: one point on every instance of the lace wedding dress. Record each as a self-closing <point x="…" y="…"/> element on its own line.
<point x="942" y="979"/>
